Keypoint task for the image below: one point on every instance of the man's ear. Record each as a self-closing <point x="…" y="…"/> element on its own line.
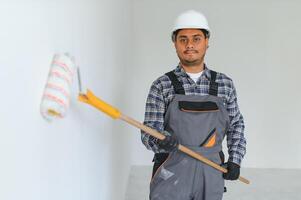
<point x="207" y="43"/>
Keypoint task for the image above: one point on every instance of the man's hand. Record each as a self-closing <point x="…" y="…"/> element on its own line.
<point x="169" y="144"/>
<point x="233" y="171"/>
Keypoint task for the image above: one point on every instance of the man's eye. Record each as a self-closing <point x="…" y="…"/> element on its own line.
<point x="197" y="39"/>
<point x="183" y="40"/>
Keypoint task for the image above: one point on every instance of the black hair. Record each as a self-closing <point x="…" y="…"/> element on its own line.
<point x="175" y="33"/>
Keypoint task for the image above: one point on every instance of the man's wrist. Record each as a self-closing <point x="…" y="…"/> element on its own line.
<point x="235" y="160"/>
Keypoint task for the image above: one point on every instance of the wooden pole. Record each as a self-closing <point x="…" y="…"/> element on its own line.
<point x="113" y="112"/>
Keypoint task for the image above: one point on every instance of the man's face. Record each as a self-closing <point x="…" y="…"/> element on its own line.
<point x="191" y="46"/>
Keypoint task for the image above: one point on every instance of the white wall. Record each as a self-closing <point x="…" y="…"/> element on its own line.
<point x="256" y="43"/>
<point x="81" y="156"/>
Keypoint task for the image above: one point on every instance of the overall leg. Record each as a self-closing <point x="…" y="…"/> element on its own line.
<point x="213" y="183"/>
<point x="173" y="180"/>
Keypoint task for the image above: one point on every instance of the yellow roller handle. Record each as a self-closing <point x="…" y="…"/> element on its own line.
<point x="91" y="99"/>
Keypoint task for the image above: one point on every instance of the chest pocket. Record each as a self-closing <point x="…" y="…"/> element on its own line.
<point x="202" y="112"/>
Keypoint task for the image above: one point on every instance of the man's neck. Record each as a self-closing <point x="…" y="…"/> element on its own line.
<point x="193" y="69"/>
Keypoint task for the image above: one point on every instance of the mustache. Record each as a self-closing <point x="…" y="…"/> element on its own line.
<point x="189" y="51"/>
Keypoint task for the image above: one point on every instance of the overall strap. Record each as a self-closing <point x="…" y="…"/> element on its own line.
<point x="178" y="86"/>
<point x="213" y="87"/>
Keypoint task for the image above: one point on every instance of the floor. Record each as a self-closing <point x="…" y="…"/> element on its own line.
<point x="266" y="184"/>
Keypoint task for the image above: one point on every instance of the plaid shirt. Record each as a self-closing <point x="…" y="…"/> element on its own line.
<point x="162" y="93"/>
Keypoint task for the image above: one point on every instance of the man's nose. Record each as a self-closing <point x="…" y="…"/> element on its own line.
<point x="190" y="44"/>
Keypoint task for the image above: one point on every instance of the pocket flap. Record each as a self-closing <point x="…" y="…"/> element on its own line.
<point x="195" y="106"/>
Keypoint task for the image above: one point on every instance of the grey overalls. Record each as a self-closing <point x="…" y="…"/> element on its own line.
<point x="200" y="123"/>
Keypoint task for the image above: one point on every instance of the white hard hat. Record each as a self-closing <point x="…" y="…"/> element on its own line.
<point x="191" y="19"/>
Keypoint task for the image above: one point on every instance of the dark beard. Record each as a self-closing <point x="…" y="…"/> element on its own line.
<point x="189" y="63"/>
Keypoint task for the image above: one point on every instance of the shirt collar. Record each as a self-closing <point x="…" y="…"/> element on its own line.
<point x="179" y="71"/>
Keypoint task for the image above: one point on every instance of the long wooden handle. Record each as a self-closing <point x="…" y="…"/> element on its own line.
<point x="182" y="148"/>
<point x="113" y="112"/>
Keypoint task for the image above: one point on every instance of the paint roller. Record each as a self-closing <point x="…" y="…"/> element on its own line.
<point x="56" y="97"/>
<point x="56" y="100"/>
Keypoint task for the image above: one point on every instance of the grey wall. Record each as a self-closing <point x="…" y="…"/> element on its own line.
<point x="256" y="43"/>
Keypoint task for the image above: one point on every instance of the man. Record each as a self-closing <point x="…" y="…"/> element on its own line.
<point x="196" y="107"/>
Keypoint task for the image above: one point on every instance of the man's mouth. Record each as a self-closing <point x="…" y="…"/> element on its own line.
<point x="190" y="52"/>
